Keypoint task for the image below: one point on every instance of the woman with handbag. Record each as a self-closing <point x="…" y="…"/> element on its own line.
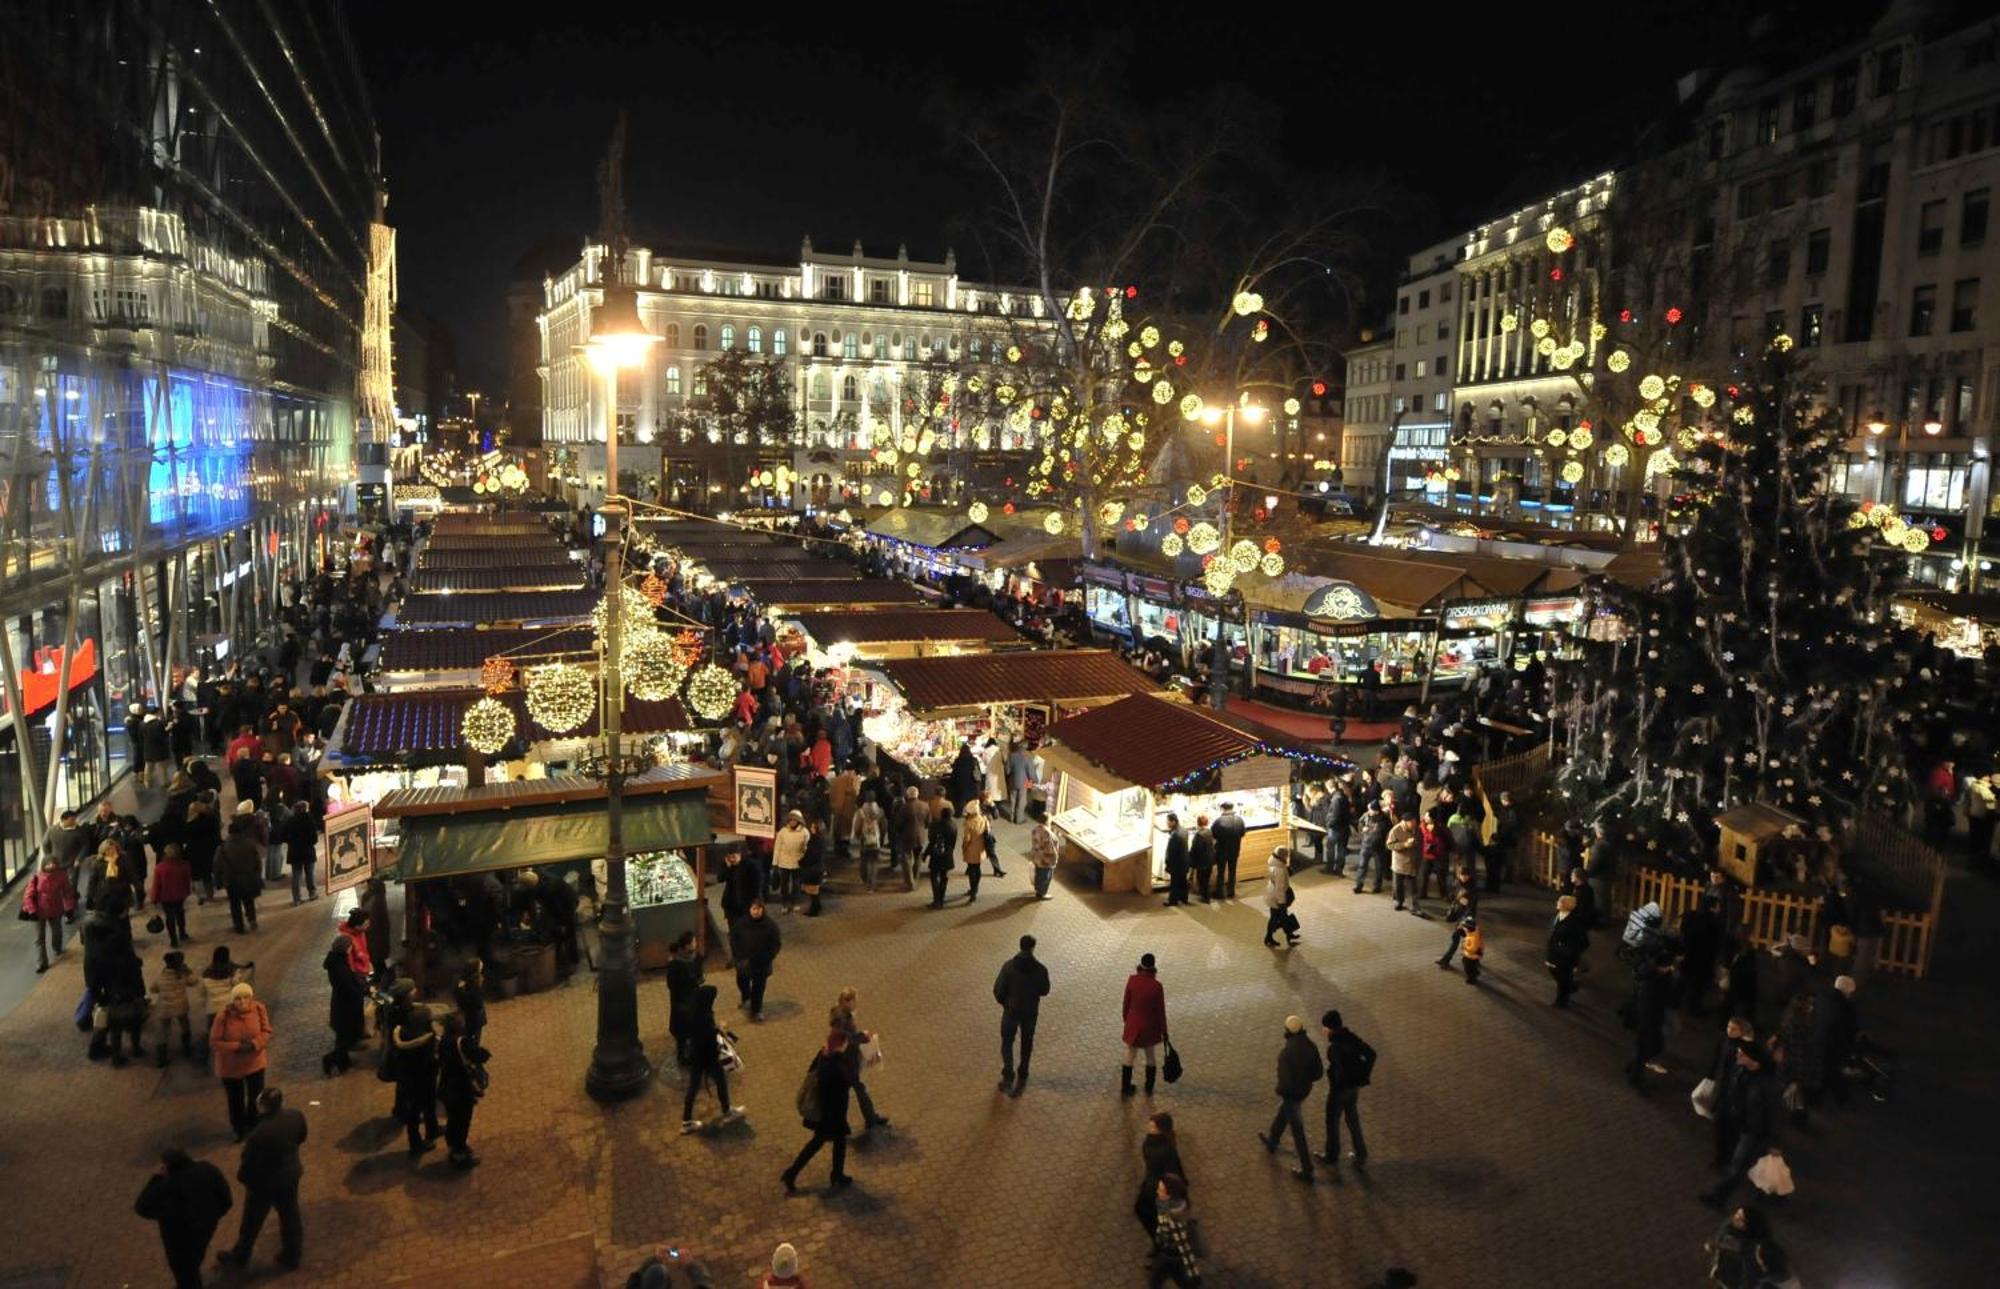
<point x="972" y="845"/>
<point x="461" y="1083"/>
<point x="703" y="1039"/>
<point x="823" y="1108"/>
<point x="1278" y="898"/>
<point x="1145" y="1016"/>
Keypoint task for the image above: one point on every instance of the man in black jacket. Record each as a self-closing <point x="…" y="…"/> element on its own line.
<point x="1569" y="936"/>
<point x="1201" y="858"/>
<point x="1752" y="1106"/>
<point x="1506" y="835"/>
<point x="1177" y="862"/>
<point x="753" y="946"/>
<point x="1298" y="1069"/>
<point x="1228" y="833"/>
<point x="270" y="1173"/>
<point x="741" y="883"/>
<point x="188" y="1198"/>
<point x="1349" y="1065"/>
<point x="1019" y="989"/>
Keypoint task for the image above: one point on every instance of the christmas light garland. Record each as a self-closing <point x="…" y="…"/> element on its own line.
<point x="560" y="696"/>
<point x="652" y="667"/>
<point x="487" y="726"/>
<point x="711" y="692"/>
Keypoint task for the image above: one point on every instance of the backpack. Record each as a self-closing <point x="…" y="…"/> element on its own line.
<point x="808" y="1099"/>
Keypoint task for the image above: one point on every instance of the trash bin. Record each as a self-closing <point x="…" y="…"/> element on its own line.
<point x="535" y="967"/>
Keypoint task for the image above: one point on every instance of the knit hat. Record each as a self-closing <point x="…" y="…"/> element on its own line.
<point x="1330" y="1020"/>
<point x="1293" y="1025"/>
<point x="1145" y="962"/>
<point x="240" y="993"/>
<point x="784" y="1261"/>
<point x="246" y="807"/>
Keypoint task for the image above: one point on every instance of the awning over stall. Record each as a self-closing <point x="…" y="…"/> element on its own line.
<point x="933" y="686"/>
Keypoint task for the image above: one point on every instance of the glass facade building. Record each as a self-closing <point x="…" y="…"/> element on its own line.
<point x="186" y="193"/>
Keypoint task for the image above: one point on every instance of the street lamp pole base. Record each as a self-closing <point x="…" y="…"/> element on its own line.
<point x="619" y="1069"/>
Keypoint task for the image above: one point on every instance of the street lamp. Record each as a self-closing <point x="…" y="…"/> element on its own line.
<point x="618" y="1064"/>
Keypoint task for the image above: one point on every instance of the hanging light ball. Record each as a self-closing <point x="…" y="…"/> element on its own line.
<point x="1053" y="524"/>
<point x="1202" y="538"/>
<point x="637" y="620"/>
<point x="1196" y="494"/>
<point x="654" y="589"/>
<point x="653" y="668"/>
<point x="976" y="512"/>
<point x="711" y="692"/>
<point x="1572" y="471"/>
<point x="496" y="674"/>
<point x="560" y="696"/>
<point x="1272" y="564"/>
<point x="487" y="726"/>
<point x="1220" y="577"/>
<point x="1171" y="545"/>
<point x="1243" y="555"/>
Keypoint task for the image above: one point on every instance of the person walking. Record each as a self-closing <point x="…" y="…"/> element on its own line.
<point x="1473" y="949"/>
<point x="1298" y="1069"/>
<point x="1201" y="860"/>
<point x="683" y="978"/>
<point x="942" y="853"/>
<point x="1278" y="898"/>
<point x="824" y="1112"/>
<point x="841" y="1017"/>
<point x="910" y="834"/>
<point x="1350" y="1064"/>
<point x="1176" y="862"/>
<point x="1653" y="991"/>
<point x="242" y="861"/>
<point x="270" y="1171"/>
<point x="239" y="1040"/>
<point x="1019" y="989"/>
<point x="788" y="851"/>
<point x="462" y="1081"/>
<point x="1145" y="1016"/>
<point x="866" y="833"/>
<point x="1464" y="907"/>
<point x="49" y="900"/>
<point x="188" y="1198"/>
<point x="703" y="1042"/>
<point x="345" y="1012"/>
<point x="301" y="848"/>
<point x="1374" y="847"/>
<point x="1568" y="939"/>
<point x="173" y="882"/>
<point x="741" y="883"/>
<point x="754" y="943"/>
<point x="1019" y="776"/>
<point x="415" y="1042"/>
<point x="1228" y="831"/>
<point x="966" y="777"/>
<point x="1337" y="817"/>
<point x="972" y="847"/>
<point x="1159" y="1154"/>
<point x="1506" y="836"/>
<point x="469" y="995"/>
<point x="1173" y="1258"/>
<point x="1753" y="1111"/>
<point x="170" y="998"/>
<point x="1042" y="851"/>
<point x="1403" y="841"/>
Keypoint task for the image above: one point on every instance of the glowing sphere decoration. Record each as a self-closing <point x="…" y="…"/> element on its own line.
<point x="560" y="696"/>
<point x="1244" y="555"/>
<point x="487" y="726"/>
<point x="652" y="667"/>
<point x="711" y="692"/>
<point x="1202" y="538"/>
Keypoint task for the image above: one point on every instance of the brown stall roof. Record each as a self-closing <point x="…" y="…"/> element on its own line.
<point x="504" y="577"/>
<point x="465" y="648"/>
<point x="1154" y="741"/>
<point x="781" y="570"/>
<point x="890" y="626"/>
<point x="1983" y="605"/>
<point x="832" y="593"/>
<point x="479" y="557"/>
<point x="1041" y="675"/>
<point x="496" y="606"/>
<point x="519" y="793"/>
<point x="510" y="542"/>
<point x="424" y="723"/>
<point x="1404" y="584"/>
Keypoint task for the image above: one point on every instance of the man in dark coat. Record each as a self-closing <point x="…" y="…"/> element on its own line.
<point x="1506" y="836"/>
<point x="966" y="777"/>
<point x="826" y="1112"/>
<point x="1298" y="1070"/>
<point x="345" y="1010"/>
<point x="188" y="1198"/>
<point x="1177" y="862"/>
<point x="741" y="883"/>
<point x="1350" y="1064"/>
<point x="1701" y="948"/>
<point x="1019" y="989"/>
<point x="1228" y="833"/>
<point x="1201" y="858"/>
<point x="1569" y="936"/>
<point x="754" y="942"/>
<point x="270" y="1173"/>
<point x="1752" y="1106"/>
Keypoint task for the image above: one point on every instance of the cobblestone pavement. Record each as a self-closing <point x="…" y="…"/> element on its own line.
<point x="1505" y="1148"/>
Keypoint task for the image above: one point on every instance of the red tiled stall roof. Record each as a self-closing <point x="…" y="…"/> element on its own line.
<point x="481" y="557"/>
<point x="507" y="576"/>
<point x="496" y="606"/>
<point x="465" y="648"/>
<point x="423" y="725"/>
<point x="1154" y="741"/>
<point x="890" y="626"/>
<point x="807" y="595"/>
<point x="1042" y="675"/>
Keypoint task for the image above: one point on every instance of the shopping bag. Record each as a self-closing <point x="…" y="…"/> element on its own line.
<point x="1703" y="1098"/>
<point x="871" y="1051"/>
<point x="1771" y="1174"/>
<point x="1172" y="1067"/>
<point x="728" y="1057"/>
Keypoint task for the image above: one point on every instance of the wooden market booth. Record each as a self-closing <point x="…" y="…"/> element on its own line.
<point x="929" y="705"/>
<point x="789" y="598"/>
<point x="446" y="832"/>
<point x="1121" y="768"/>
<point x="908" y="633"/>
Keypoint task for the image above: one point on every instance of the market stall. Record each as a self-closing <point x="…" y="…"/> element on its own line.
<point x="928" y="706"/>
<point x="1120" y="769"/>
<point x="1962" y="622"/>
<point x="525" y="608"/>
<point x="448" y="832"/>
<point x="824" y="596"/>
<point x="925" y="543"/>
<point x="451" y="657"/>
<point x="903" y="633"/>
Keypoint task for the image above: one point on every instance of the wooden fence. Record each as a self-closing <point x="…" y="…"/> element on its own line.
<point x="1522" y="774"/>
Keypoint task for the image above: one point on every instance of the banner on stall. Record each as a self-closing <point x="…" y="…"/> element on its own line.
<point x="348" y="861"/>
<point x="756" y="800"/>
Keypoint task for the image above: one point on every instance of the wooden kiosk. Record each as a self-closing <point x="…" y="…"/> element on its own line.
<point x="1748" y="831"/>
<point x="1121" y="769"/>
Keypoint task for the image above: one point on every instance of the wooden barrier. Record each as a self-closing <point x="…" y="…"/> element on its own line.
<point x="1521" y="775"/>
<point x="1906" y="943"/>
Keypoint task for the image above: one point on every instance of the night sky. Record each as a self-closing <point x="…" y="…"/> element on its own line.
<point x="753" y="125"/>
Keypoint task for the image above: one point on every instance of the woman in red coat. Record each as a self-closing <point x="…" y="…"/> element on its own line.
<point x="1145" y="1022"/>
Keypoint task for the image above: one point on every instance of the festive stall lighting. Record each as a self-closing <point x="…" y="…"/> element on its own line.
<point x="1171" y="545"/>
<point x="560" y="697"/>
<point x="487" y="726"/>
<point x="1220" y="577"/>
<point x="496" y="674"/>
<point x="1202" y="538"/>
<point x="653" y="668"/>
<point x="1272" y="565"/>
<point x="1243" y="555"/>
<point x="711" y="692"/>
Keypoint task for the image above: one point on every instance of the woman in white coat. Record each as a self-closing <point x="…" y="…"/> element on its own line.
<point x="1278" y="899"/>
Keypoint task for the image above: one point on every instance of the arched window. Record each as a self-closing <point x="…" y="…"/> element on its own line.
<point x="819" y="344"/>
<point x="868" y="344"/>
<point x="674" y="381"/>
<point x="952" y="345"/>
<point x="822" y="387"/>
<point x="976" y="349"/>
<point x="700" y="335"/>
<point x="728" y="336"/>
<point x="850" y="389"/>
<point x="673" y="335"/>
<point x="700" y="382"/>
<point x="909" y="349"/>
<point x="778" y="345"/>
<point x="848" y="347"/>
<point x="754" y="340"/>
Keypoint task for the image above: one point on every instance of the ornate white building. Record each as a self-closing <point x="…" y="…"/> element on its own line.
<point x="849" y="332"/>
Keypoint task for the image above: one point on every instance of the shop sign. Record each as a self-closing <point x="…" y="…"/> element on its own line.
<point x="1104" y="576"/>
<point x="1553" y="611"/>
<point x="1153" y="588"/>
<point x="756" y="800"/>
<point x="1341" y="602"/>
<point x="348" y="862"/>
<point x="1479" y="613"/>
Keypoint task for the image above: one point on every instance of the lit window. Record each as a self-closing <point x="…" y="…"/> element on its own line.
<point x="728" y="336"/>
<point x="701" y="336"/>
<point x="849" y="347"/>
<point x="778" y="345"/>
<point x="674" y="381"/>
<point x="673" y="335"/>
<point x="754" y="340"/>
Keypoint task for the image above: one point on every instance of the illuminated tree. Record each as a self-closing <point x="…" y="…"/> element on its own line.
<point x="741" y="410"/>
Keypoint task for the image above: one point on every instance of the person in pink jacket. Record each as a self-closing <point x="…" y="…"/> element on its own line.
<point x="239" y="1039"/>
<point x="48" y="900"/>
<point x="1145" y="1023"/>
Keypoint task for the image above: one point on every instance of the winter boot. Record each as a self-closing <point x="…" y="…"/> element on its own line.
<point x="1125" y="1087"/>
<point x="1152" y="1072"/>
